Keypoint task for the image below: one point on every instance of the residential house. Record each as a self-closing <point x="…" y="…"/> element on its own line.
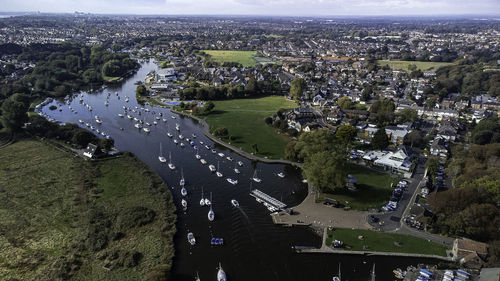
<point x="398" y="161"/>
<point x="397" y="133"/>
<point x="465" y="250"/>
<point x="90" y="150"/>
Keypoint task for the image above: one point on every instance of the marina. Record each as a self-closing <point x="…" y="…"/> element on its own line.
<point x="249" y="235"/>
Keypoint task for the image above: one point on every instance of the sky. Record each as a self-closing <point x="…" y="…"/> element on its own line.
<point x="258" y="7"/>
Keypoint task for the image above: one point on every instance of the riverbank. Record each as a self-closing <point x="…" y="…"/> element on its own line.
<point x="112" y="219"/>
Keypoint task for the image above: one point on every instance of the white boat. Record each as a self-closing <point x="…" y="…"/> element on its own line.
<point x="184" y="191"/>
<point x="221" y="275"/>
<point x="229" y="158"/>
<point x="193" y="135"/>
<point x="182" y="182"/>
<point x="236" y="170"/>
<point x="155" y="123"/>
<point x="255" y="178"/>
<point x="173" y="117"/>
<point x="207" y="202"/>
<point x="164" y="119"/>
<point x="202" y="200"/>
<point x="170" y="165"/>
<point x="136" y="119"/>
<point x="191" y="239"/>
<point x="175" y="141"/>
<point x="92" y="127"/>
<point x="181" y="136"/>
<point x="211" y="214"/>
<point x="201" y="142"/>
<point x="169" y="135"/>
<point x="98" y="121"/>
<point x="126" y="99"/>
<point x="161" y="158"/>
<point x="281" y="175"/>
<point x="240" y="163"/>
<point x="138" y="126"/>
<point x="214" y="151"/>
<point x="177" y="127"/>
<point x="80" y="121"/>
<point x="147" y="130"/>
<point x="147" y="123"/>
<point x="184" y="203"/>
<point x="203" y="161"/>
<point x="197" y="277"/>
<point x="235" y="203"/>
<point x="231" y="181"/>
<point x="182" y="144"/>
<point x="198" y="156"/>
<point x="129" y="117"/>
<point x="212" y="168"/>
<point x="120" y="115"/>
<point x="219" y="174"/>
<point x="221" y="154"/>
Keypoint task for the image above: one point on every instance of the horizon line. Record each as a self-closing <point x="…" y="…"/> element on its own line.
<point x="254" y="15"/>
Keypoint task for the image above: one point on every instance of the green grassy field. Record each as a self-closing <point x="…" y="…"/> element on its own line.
<point x="245" y="58"/>
<point x="110" y="79"/>
<point x="244" y="119"/>
<point x="66" y="218"/>
<point x="373" y="189"/>
<point x="384" y="242"/>
<point x="422" y="65"/>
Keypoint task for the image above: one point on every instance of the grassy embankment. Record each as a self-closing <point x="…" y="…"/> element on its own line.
<point x="245" y="58"/>
<point x="110" y="79"/>
<point x="66" y="218"/>
<point x="384" y="242"/>
<point x="373" y="189"/>
<point x="244" y="119"/>
<point x="422" y="65"/>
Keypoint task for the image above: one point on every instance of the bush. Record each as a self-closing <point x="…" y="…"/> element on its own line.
<point x="221" y="132"/>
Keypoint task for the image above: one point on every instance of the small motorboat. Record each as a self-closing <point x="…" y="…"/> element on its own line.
<point x="80" y="121"/>
<point x="221" y="275"/>
<point x="229" y="158"/>
<point x="207" y="202"/>
<point x="214" y="151"/>
<point x="212" y="168"/>
<point x="193" y="135"/>
<point x="198" y="156"/>
<point x="182" y="144"/>
<point x="240" y="163"/>
<point x="181" y="136"/>
<point x="138" y="126"/>
<point x="184" y="191"/>
<point x="120" y="115"/>
<point x="169" y="135"/>
<point x="191" y="238"/>
<point x="175" y="141"/>
<point x="184" y="203"/>
<point x="147" y="130"/>
<point x="221" y="154"/>
<point x="281" y="175"/>
<point x="202" y="200"/>
<point x="235" y="203"/>
<point x="231" y="181"/>
<point x="207" y="147"/>
<point x="203" y="161"/>
<point x="216" y="241"/>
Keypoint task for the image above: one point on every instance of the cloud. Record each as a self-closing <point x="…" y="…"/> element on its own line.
<point x="259" y="7"/>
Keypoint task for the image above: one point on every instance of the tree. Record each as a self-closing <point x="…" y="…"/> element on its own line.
<point x="313" y="142"/>
<point x="346" y="133"/>
<point x="107" y="144"/>
<point x="345" y="103"/>
<point x="407" y="115"/>
<point x="141" y="90"/>
<point x="326" y="170"/>
<point x="383" y="111"/>
<point x="380" y="139"/>
<point x="298" y="87"/>
<point x="82" y="137"/>
<point x="14" y="112"/>
<point x="414" y="138"/>
<point x="221" y="132"/>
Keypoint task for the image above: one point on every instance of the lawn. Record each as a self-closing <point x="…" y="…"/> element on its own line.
<point x="373" y="189"/>
<point x="422" y="65"/>
<point x="110" y="79"/>
<point x="384" y="242"/>
<point x="244" y="119"/>
<point x="245" y="58"/>
<point x="63" y="216"/>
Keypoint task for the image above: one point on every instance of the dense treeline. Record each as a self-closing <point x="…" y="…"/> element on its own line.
<point x="487" y="131"/>
<point x="62" y="68"/>
<point x="469" y="77"/>
<point x="472" y="207"/>
<point x="253" y="88"/>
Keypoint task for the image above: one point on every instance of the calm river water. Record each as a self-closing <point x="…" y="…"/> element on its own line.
<point x="255" y="248"/>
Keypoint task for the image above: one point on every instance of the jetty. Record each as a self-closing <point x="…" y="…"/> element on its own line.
<point x="259" y="195"/>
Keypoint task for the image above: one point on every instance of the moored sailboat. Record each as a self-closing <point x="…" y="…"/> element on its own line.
<point x="161" y="158"/>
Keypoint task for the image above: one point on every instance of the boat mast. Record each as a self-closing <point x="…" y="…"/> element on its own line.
<point x="373" y="272"/>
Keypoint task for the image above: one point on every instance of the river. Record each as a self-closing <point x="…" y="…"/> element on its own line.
<point x="254" y="248"/>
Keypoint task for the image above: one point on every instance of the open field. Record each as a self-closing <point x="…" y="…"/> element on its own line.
<point x="373" y="189"/>
<point x="244" y="119"/>
<point x="384" y="242"/>
<point x="67" y="218"/>
<point x="422" y="65"/>
<point x="245" y="58"/>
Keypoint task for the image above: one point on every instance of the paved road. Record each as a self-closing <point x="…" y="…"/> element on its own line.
<point x="391" y="221"/>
